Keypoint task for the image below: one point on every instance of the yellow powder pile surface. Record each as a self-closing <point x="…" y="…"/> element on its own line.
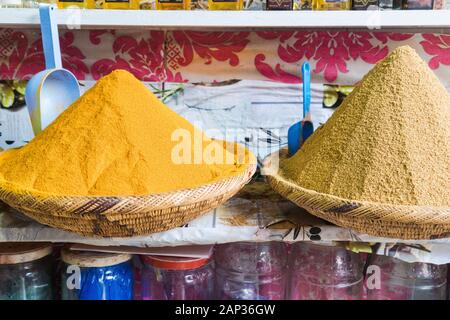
<point x="116" y="140"/>
<point x="389" y="142"/>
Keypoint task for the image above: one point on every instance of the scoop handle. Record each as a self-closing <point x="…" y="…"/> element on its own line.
<point x="50" y="38"/>
<point x="306" y="77"/>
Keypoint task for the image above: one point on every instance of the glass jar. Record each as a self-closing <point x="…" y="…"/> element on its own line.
<point x="96" y="276"/>
<point x="251" y="271"/>
<point x="176" y="278"/>
<point x="400" y="280"/>
<point x="25" y="271"/>
<point x="324" y="272"/>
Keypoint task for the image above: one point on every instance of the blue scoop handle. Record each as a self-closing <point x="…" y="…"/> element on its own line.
<point x="300" y="131"/>
<point x="306" y="76"/>
<point x="50" y="38"/>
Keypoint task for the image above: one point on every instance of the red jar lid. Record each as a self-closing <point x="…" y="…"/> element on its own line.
<point x="174" y="263"/>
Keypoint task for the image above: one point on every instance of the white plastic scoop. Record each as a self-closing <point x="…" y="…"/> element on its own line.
<point x="52" y="90"/>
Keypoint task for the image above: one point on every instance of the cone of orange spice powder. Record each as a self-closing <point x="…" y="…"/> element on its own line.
<point x="118" y="140"/>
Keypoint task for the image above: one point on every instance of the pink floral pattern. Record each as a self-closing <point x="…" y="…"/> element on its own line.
<point x="21" y="58"/>
<point x="142" y="57"/>
<point x="221" y="46"/>
<point x="330" y="52"/>
<point x="181" y="56"/>
<point x="437" y="46"/>
<point x="72" y="56"/>
<point x="182" y="47"/>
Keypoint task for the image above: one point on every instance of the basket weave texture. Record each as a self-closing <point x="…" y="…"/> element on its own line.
<point x="377" y="219"/>
<point x="123" y="216"/>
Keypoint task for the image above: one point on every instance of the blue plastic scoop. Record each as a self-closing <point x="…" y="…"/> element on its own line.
<point x="52" y="90"/>
<point x="299" y="132"/>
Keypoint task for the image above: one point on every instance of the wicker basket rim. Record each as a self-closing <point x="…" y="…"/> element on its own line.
<point x="268" y="170"/>
<point x="241" y="176"/>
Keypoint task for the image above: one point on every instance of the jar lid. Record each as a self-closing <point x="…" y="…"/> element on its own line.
<point x="89" y="259"/>
<point x="174" y="263"/>
<point x="21" y="252"/>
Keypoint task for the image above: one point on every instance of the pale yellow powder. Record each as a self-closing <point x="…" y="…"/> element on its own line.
<point x="389" y="142"/>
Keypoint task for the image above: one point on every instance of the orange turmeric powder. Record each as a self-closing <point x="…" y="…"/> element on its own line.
<point x="117" y="139"/>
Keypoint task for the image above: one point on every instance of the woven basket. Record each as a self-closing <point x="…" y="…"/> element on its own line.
<point x="377" y="219"/>
<point x="123" y="216"/>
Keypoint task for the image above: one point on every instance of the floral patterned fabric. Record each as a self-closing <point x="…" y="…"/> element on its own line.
<point x="192" y="56"/>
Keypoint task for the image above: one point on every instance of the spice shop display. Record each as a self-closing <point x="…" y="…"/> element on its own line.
<point x="158" y="155"/>
<point x="382" y="155"/>
<point x="119" y="141"/>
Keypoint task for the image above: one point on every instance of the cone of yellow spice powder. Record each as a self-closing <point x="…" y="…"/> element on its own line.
<point x="118" y="140"/>
<point x="381" y="163"/>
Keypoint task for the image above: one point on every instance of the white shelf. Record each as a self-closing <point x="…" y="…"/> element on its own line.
<point x="414" y="21"/>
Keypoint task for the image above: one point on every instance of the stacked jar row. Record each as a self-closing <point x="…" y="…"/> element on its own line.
<point x="236" y="271"/>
